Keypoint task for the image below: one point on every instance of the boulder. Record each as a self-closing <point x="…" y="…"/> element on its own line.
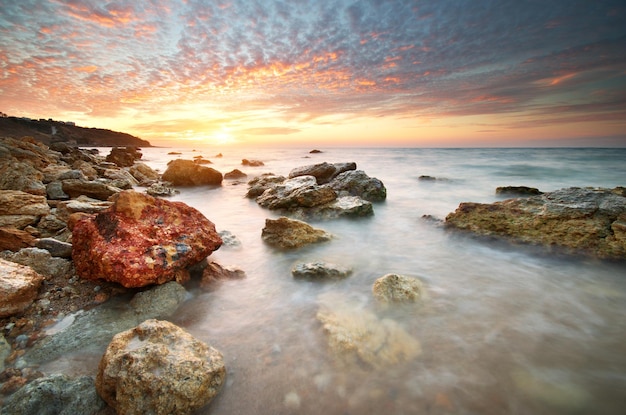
<point x="357" y="183"/>
<point x="143" y="173"/>
<point x="94" y="189"/>
<point x="288" y="233"/>
<point x="17" y="175"/>
<point x="124" y="156"/>
<point x="260" y="184"/>
<point x="394" y="288"/>
<point x="235" y="175"/>
<point x="13" y="239"/>
<point x="18" y="287"/>
<point x="517" y="191"/>
<point x="55" y="247"/>
<point x="320" y="271"/>
<point x="142" y="240"/>
<point x="159" y="368"/>
<point x="187" y="173"/>
<point x="323" y="172"/>
<point x="96" y="327"/>
<point x="301" y="191"/>
<point x="358" y="337"/>
<point x="56" y="394"/>
<point x="16" y="202"/>
<point x="577" y="220"/>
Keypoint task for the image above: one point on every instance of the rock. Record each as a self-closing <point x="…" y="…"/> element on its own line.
<point x="50" y="225"/>
<point x="320" y="271"/>
<point x="5" y="351"/>
<point x="216" y="272"/>
<point x="315" y="151"/>
<point x="28" y="150"/>
<point x="252" y="163"/>
<point x="81" y="204"/>
<point x="143" y="173"/>
<point x="54" y="191"/>
<point x="577" y="220"/>
<point x="39" y="260"/>
<point x="142" y="240"/>
<point x="201" y="160"/>
<point x="18" y="203"/>
<point x="159" y="368"/>
<point x="160" y="190"/>
<point x="426" y="178"/>
<point x="187" y="173"/>
<point x="124" y="156"/>
<point x="260" y="184"/>
<point x="394" y="288"/>
<point x="96" y="327"/>
<point x="13" y="239"/>
<point x="290" y="233"/>
<point x="93" y="189"/>
<point x="517" y="191"/>
<point x="120" y="178"/>
<point x="235" y="175"/>
<point x="86" y="168"/>
<point x="229" y="239"/>
<point x="323" y="172"/>
<point x="344" y="206"/>
<point x="55" y="247"/>
<point x="18" y="287"/>
<point x="357" y="183"/>
<point x="357" y="336"/>
<point x="17" y="175"/>
<point x="294" y="193"/>
<point x="56" y="394"/>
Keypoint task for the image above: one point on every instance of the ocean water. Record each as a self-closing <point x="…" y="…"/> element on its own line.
<point x="504" y="329"/>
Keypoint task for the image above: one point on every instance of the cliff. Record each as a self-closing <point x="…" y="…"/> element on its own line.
<point x="48" y="131"/>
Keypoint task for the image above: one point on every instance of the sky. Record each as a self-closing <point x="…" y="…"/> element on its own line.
<point x="444" y="73"/>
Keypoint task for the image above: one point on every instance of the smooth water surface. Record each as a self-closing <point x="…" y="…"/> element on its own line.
<point x="504" y="329"/>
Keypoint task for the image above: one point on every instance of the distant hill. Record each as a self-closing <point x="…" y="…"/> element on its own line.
<point x="49" y="131"/>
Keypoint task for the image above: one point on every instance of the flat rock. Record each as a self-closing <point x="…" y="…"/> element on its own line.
<point x="320" y="271"/>
<point x="142" y="240"/>
<point x="93" y="189"/>
<point x="13" y="239"/>
<point x="577" y="220"/>
<point x="18" y="287"/>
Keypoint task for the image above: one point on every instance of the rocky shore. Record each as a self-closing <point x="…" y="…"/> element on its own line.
<point x="86" y="260"/>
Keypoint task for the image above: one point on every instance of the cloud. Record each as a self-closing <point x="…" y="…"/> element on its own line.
<point x="270" y="131"/>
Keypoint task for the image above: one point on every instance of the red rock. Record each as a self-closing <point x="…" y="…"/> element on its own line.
<point x="141" y="240"/>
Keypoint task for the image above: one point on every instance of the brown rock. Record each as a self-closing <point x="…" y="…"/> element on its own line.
<point x="216" y="272"/>
<point x="187" y="173"/>
<point x="142" y="240"/>
<point x="124" y="156"/>
<point x="19" y="209"/>
<point x="94" y="189"/>
<point x="235" y="174"/>
<point x="252" y="163"/>
<point x="290" y="233"/>
<point x="13" y="239"/>
<point x="394" y="288"/>
<point x="18" y="287"/>
<point x="159" y="368"/>
<point x="143" y="173"/>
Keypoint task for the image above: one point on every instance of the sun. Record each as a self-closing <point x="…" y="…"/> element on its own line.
<point x="222" y="137"/>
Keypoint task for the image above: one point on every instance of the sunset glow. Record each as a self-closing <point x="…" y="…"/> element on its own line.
<point x="399" y="73"/>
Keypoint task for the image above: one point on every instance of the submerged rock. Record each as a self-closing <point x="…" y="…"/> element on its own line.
<point x="56" y="394"/>
<point x="394" y="288"/>
<point x="216" y="272"/>
<point x="357" y="336"/>
<point x="252" y="163"/>
<point x="517" y="191"/>
<point x="585" y="220"/>
<point x="18" y="287"/>
<point x="142" y="240"/>
<point x="291" y="233"/>
<point x="159" y="368"/>
<point x="320" y="271"/>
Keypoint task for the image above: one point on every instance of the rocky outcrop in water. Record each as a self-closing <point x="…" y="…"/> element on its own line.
<point x="188" y="173"/>
<point x="576" y="220"/>
<point x="159" y="368"/>
<point x="343" y="192"/>
<point x="141" y="240"/>
<point x="517" y="191"/>
<point x="288" y="233"/>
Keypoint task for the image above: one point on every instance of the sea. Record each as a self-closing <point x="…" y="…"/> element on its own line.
<point x="502" y="328"/>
